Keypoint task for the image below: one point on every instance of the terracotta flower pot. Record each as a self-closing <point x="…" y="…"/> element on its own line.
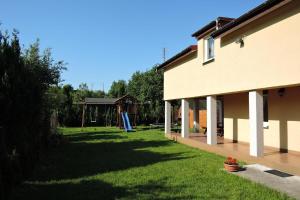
<point x="232" y="167"/>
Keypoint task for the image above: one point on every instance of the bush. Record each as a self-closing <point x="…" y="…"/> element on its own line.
<point x="25" y="77"/>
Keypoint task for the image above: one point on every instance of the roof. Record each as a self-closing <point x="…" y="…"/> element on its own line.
<point x="204" y="28"/>
<point x="220" y="20"/>
<point x="250" y="14"/>
<point x="126" y="97"/>
<point x="186" y="51"/>
<point x="108" y="101"/>
<point x="223" y="24"/>
<point x="98" y="101"/>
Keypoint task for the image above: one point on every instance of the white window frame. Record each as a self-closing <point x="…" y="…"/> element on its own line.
<point x="207" y="56"/>
<point x="266" y="121"/>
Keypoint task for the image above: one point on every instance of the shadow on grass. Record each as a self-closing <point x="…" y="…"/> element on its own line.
<point x="144" y="128"/>
<point x="149" y="128"/>
<point x="64" y="172"/>
<point x="95" y="132"/>
<point x="83" y="156"/>
<point x="97" y="189"/>
<point x="86" y="189"/>
<point x="80" y="159"/>
<point x="94" y="136"/>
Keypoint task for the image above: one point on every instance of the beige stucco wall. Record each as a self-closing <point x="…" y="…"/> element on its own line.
<point x="236" y="117"/>
<point x="270" y="58"/>
<point x="284" y="119"/>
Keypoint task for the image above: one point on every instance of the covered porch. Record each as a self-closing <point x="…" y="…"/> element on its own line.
<point x="286" y="162"/>
<point x="261" y="126"/>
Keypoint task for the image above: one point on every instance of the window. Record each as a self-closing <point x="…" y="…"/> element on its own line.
<point x="209" y="49"/>
<point x="266" y="109"/>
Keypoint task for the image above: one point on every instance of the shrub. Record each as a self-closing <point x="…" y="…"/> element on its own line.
<point x="25" y="77"/>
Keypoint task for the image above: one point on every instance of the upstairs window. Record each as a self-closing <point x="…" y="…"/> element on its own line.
<point x="208" y="49"/>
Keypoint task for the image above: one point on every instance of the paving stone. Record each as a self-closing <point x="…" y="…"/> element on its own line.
<point x="256" y="172"/>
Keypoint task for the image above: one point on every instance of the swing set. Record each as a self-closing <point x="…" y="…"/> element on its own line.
<point x="108" y="111"/>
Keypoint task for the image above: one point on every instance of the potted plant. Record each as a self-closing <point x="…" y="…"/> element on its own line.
<point x="231" y="164"/>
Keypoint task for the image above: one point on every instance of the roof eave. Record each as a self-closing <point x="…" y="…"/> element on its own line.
<point x="188" y="50"/>
<point x="250" y="16"/>
<point x="209" y="26"/>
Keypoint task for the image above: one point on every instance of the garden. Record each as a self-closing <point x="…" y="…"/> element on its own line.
<point x="107" y="163"/>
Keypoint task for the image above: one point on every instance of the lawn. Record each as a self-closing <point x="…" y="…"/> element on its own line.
<point x="106" y="163"/>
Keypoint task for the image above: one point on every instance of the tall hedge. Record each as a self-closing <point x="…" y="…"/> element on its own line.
<point x="25" y="77"/>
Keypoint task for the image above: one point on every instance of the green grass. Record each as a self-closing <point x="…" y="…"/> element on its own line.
<point x="106" y="163"/>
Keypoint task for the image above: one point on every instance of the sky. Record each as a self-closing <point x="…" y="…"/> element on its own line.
<point x="107" y="40"/>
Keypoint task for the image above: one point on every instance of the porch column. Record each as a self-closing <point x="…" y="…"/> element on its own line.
<point x="184" y="118"/>
<point x="167" y="117"/>
<point x="211" y="102"/>
<point x="256" y="123"/>
<point x="196" y="115"/>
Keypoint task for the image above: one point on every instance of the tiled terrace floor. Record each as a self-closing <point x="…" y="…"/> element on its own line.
<point x="273" y="158"/>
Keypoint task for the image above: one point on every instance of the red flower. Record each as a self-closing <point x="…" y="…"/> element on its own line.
<point x="231" y="161"/>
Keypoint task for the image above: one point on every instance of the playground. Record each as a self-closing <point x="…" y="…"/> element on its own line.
<point x="121" y="112"/>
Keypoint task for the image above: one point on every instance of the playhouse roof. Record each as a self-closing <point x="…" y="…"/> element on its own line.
<point x="99" y="101"/>
<point x="109" y="101"/>
<point x="126" y="98"/>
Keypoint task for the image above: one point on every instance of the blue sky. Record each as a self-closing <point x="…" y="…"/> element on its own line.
<point x="107" y="40"/>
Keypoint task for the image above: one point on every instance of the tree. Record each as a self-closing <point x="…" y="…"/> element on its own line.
<point x="118" y="89"/>
<point x="66" y="102"/>
<point x="67" y="110"/>
<point x="147" y="87"/>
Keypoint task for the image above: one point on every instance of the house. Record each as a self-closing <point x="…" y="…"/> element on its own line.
<point x="252" y="65"/>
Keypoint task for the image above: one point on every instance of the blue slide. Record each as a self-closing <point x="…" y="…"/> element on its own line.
<point x="126" y="122"/>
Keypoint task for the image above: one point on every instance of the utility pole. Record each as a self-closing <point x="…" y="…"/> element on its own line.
<point x="164" y="54"/>
<point x="92" y="86"/>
